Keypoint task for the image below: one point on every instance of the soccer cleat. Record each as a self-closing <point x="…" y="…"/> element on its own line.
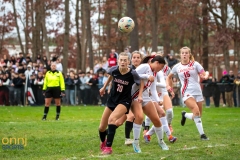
<point x="136" y="147"/>
<point x="107" y="150"/>
<point x="183" y="120"/>
<point x="128" y="141"/>
<point x="172" y="139"/>
<point x="147" y="138"/>
<point x="163" y="145"/>
<point x="57" y="118"/>
<point x="204" y="137"/>
<point x="44" y="118"/>
<point x="170" y="127"/>
<point x="103" y="145"/>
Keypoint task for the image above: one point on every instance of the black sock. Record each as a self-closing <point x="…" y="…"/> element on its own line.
<point x="146" y="128"/>
<point x="103" y="135"/>
<point x="58" y="110"/>
<point x="128" y="128"/>
<point x="111" y="134"/>
<point x="46" y="109"/>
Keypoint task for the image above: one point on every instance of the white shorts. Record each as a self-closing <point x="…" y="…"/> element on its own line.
<point x="162" y="95"/>
<point x="198" y="98"/>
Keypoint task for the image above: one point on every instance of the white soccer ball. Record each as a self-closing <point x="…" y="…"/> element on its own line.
<point x="126" y="25"/>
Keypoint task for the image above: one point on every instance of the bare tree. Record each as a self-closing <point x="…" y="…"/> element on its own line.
<point x="134" y="34"/>
<point x="84" y="35"/>
<point x="66" y="36"/>
<point x="205" y="34"/>
<point x="79" y="49"/>
<point x="17" y="27"/>
<point x="155" y="8"/>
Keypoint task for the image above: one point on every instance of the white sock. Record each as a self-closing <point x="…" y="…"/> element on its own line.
<point x="198" y="123"/>
<point x="147" y="121"/>
<point x="136" y="132"/>
<point x="189" y="115"/>
<point x="151" y="131"/>
<point x="159" y="133"/>
<point x="165" y="126"/>
<point x="169" y="115"/>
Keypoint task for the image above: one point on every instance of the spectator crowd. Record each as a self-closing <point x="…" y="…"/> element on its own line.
<point x="22" y="78"/>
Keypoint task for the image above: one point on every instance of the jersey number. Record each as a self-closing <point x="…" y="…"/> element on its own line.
<point x="186" y="74"/>
<point x="120" y="88"/>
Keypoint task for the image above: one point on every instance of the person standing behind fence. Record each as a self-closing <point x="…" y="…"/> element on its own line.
<point x="17" y="83"/>
<point x="87" y="88"/>
<point x="4" y="91"/>
<point x="236" y="85"/>
<point x="82" y="85"/>
<point x="231" y="75"/>
<point x="215" y="92"/>
<point x="38" y="81"/>
<point x="54" y="87"/>
<point x="222" y="87"/>
<point x="207" y="91"/>
<point x="228" y="90"/>
<point x="93" y="82"/>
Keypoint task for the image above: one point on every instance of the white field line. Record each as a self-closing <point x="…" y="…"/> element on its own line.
<point x="185" y="148"/>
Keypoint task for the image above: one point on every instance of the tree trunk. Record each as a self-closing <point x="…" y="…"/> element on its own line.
<point x="120" y="42"/>
<point x="66" y="37"/>
<point x="36" y="30"/>
<point x="79" y="51"/>
<point x="44" y="33"/>
<point x="84" y="36"/>
<point x="165" y="26"/>
<point x="134" y="34"/>
<point x="27" y="26"/>
<point x="17" y="27"/>
<point x="89" y="33"/>
<point x="205" y="35"/>
<point x="154" y="7"/>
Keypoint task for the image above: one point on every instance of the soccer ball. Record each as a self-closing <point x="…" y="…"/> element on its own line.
<point x="126" y="25"/>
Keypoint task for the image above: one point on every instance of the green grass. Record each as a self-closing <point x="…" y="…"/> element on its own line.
<point x="75" y="136"/>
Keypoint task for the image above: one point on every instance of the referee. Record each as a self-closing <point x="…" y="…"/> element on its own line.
<point x="53" y="87"/>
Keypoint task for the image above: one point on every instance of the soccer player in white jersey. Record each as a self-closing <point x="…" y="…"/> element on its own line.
<point x="188" y="72"/>
<point x="154" y="88"/>
<point x="147" y="72"/>
<point x="167" y="102"/>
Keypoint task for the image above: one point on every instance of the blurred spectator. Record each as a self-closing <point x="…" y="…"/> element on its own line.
<point x="39" y="83"/>
<point x="96" y="66"/>
<point x="104" y="63"/>
<point x="82" y="83"/>
<point x="21" y="59"/>
<point x="228" y="90"/>
<point x="237" y="87"/>
<point x="88" y="98"/>
<point x="59" y="66"/>
<point x="207" y="90"/>
<point x="93" y="82"/>
<point x="222" y="87"/>
<point x="171" y="60"/>
<point x="215" y="92"/>
<point x="232" y="77"/>
<point x="112" y="61"/>
<point x="17" y="83"/>
<point x="4" y="91"/>
<point x="100" y="69"/>
<point x="100" y="85"/>
<point x="113" y="51"/>
<point x="126" y="50"/>
<point x="176" y="90"/>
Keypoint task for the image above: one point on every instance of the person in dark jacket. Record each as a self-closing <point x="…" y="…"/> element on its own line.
<point x="215" y="92"/>
<point x="222" y="87"/>
<point x="93" y="82"/>
<point x="237" y="88"/>
<point x="228" y="82"/>
<point x="207" y="90"/>
<point x="17" y="83"/>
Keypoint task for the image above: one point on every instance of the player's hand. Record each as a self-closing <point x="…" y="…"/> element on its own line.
<point x="140" y="100"/>
<point x="172" y="94"/>
<point x="151" y="78"/>
<point x="102" y="92"/>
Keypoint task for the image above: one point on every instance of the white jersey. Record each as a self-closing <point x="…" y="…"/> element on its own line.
<point x="144" y="71"/>
<point x="166" y="70"/>
<point x="189" y="75"/>
<point x="158" y="86"/>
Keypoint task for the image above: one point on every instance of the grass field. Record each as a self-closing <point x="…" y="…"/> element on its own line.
<point x="75" y="136"/>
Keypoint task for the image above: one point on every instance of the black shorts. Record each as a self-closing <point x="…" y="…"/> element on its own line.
<point x="53" y="92"/>
<point x="111" y="105"/>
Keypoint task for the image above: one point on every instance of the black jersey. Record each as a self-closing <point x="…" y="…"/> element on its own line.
<point x="121" y="87"/>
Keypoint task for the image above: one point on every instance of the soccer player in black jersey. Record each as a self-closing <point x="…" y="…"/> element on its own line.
<point x="119" y="101"/>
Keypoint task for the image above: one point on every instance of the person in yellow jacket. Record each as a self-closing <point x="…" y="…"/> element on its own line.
<point x="53" y="87"/>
